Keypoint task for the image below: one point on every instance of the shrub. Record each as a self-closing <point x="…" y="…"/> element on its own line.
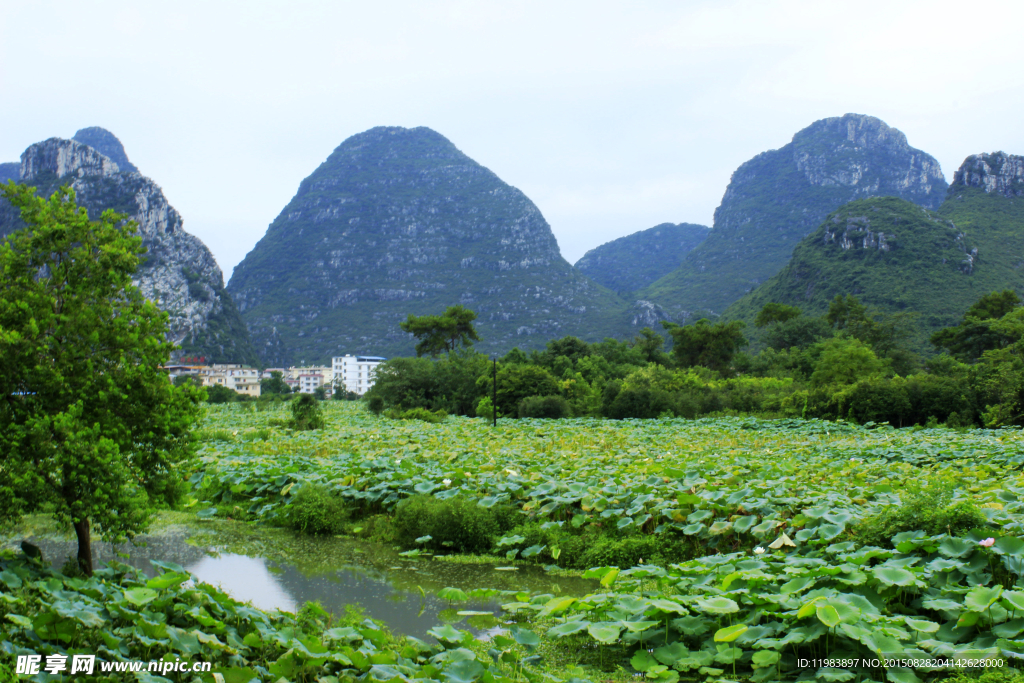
<point x="544" y="406"/>
<point x="306" y="413"/>
<point x="433" y="417"/>
<point x="375" y="404"/>
<point x="641" y="403"/>
<point x="928" y="508"/>
<point x="593" y="547"/>
<point x="485" y="408"/>
<point x="455" y="524"/>
<point x="215" y="393"/>
<point x="315" y="511"/>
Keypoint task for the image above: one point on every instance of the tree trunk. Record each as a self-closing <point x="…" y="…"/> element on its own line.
<point x="84" y="546"/>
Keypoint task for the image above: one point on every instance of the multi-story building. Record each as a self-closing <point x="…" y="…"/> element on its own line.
<point x="239" y="378"/>
<point x="309" y="382"/>
<point x="355" y="373"/>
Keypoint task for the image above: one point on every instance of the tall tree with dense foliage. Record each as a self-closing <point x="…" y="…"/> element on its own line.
<point x="709" y="345"/>
<point x="976" y="332"/>
<point x="90" y="427"/>
<point x="442" y="333"/>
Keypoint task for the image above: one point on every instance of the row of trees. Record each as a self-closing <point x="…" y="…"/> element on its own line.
<point x="851" y="363"/>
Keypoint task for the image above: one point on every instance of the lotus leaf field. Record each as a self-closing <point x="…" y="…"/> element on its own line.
<point x="783" y="585"/>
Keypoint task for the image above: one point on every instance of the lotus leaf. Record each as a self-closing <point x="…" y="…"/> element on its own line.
<point x="730" y="633"/>
<point x="604" y="632"/>
<point x="980" y="598"/>
<point x="717" y="605"/>
<point x="893" y="576"/>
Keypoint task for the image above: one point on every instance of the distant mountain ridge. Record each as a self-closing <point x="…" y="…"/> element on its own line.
<point x="178" y="272"/>
<point x="399" y="221"/>
<point x="630" y="263"/>
<point x="899" y="257"/>
<point x="780" y="196"/>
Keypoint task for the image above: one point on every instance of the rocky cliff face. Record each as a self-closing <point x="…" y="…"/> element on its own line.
<point x="179" y="273"/>
<point x="635" y="261"/>
<point x="778" y="197"/>
<point x="998" y="173"/>
<point x="107" y="144"/>
<point x="399" y="221"/>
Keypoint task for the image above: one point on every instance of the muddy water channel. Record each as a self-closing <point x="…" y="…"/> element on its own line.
<point x="278" y="569"/>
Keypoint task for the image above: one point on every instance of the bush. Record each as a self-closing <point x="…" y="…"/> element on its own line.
<point x="315" y="511"/>
<point x="545" y="406"/>
<point x="375" y="404"/>
<point x="593" y="547"/>
<point x="456" y="524"/>
<point x="418" y="414"/>
<point x="485" y="408"/>
<point x="928" y="508"/>
<point x="639" y="403"/>
<point x="306" y="413"/>
<point x="215" y="393"/>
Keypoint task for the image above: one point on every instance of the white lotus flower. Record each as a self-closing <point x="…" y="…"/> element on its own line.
<point x="446" y="482"/>
<point x="759" y="550"/>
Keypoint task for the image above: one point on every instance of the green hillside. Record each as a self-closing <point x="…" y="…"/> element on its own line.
<point x="398" y="221"/>
<point x="635" y="261"/>
<point x="779" y="197"/>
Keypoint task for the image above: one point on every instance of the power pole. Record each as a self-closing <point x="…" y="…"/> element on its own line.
<point x="494" y="391"/>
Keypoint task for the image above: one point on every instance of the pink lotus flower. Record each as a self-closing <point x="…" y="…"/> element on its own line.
<point x="987" y="542"/>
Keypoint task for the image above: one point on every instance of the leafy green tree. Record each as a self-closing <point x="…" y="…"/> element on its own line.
<point x="217" y="393"/>
<point x="437" y="333"/>
<point x="976" y="333"/>
<point x="516" y="382"/>
<point x="709" y="345"/>
<point x="845" y="360"/>
<point x="775" y="313"/>
<point x="275" y="384"/>
<point x="90" y="426"/>
<point x="799" y="333"/>
<point x="650" y="344"/>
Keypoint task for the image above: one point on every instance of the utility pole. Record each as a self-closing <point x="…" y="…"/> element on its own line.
<point x="494" y="391"/>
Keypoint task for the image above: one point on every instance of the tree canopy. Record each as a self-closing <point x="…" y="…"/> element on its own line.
<point x="710" y="345"/>
<point x="442" y="333"/>
<point x="90" y="427"/>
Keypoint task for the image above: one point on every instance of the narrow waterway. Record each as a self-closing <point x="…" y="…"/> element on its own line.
<point x="278" y="569"/>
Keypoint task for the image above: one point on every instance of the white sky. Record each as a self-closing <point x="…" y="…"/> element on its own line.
<point x="611" y="116"/>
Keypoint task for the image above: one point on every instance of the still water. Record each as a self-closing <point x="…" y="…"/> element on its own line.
<point x="278" y="569"/>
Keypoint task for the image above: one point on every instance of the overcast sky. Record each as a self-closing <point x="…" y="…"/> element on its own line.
<point x="611" y="117"/>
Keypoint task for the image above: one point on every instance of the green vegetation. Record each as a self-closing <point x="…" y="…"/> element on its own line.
<point x="669" y="515"/>
<point x="850" y="363"/>
<point x="306" y="413"/>
<point x="90" y="428"/>
<point x="630" y="263"/>
<point x="442" y="333"/>
<point x="121" y="616"/>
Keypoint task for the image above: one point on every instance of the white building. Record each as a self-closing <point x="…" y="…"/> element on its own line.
<point x="355" y="373"/>
<point x="308" y="383"/>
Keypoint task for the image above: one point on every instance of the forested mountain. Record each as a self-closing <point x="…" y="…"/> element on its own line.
<point x="399" y="221"/>
<point x="897" y="257"/>
<point x="632" y="262"/>
<point x="779" y="197"/>
<point x="10" y="171"/>
<point x="179" y="273"/>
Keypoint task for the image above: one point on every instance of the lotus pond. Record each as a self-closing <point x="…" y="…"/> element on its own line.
<point x="806" y="549"/>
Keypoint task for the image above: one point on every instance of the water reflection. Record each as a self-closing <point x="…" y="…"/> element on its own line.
<point x="245" y="578"/>
<point x="276" y="569"/>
